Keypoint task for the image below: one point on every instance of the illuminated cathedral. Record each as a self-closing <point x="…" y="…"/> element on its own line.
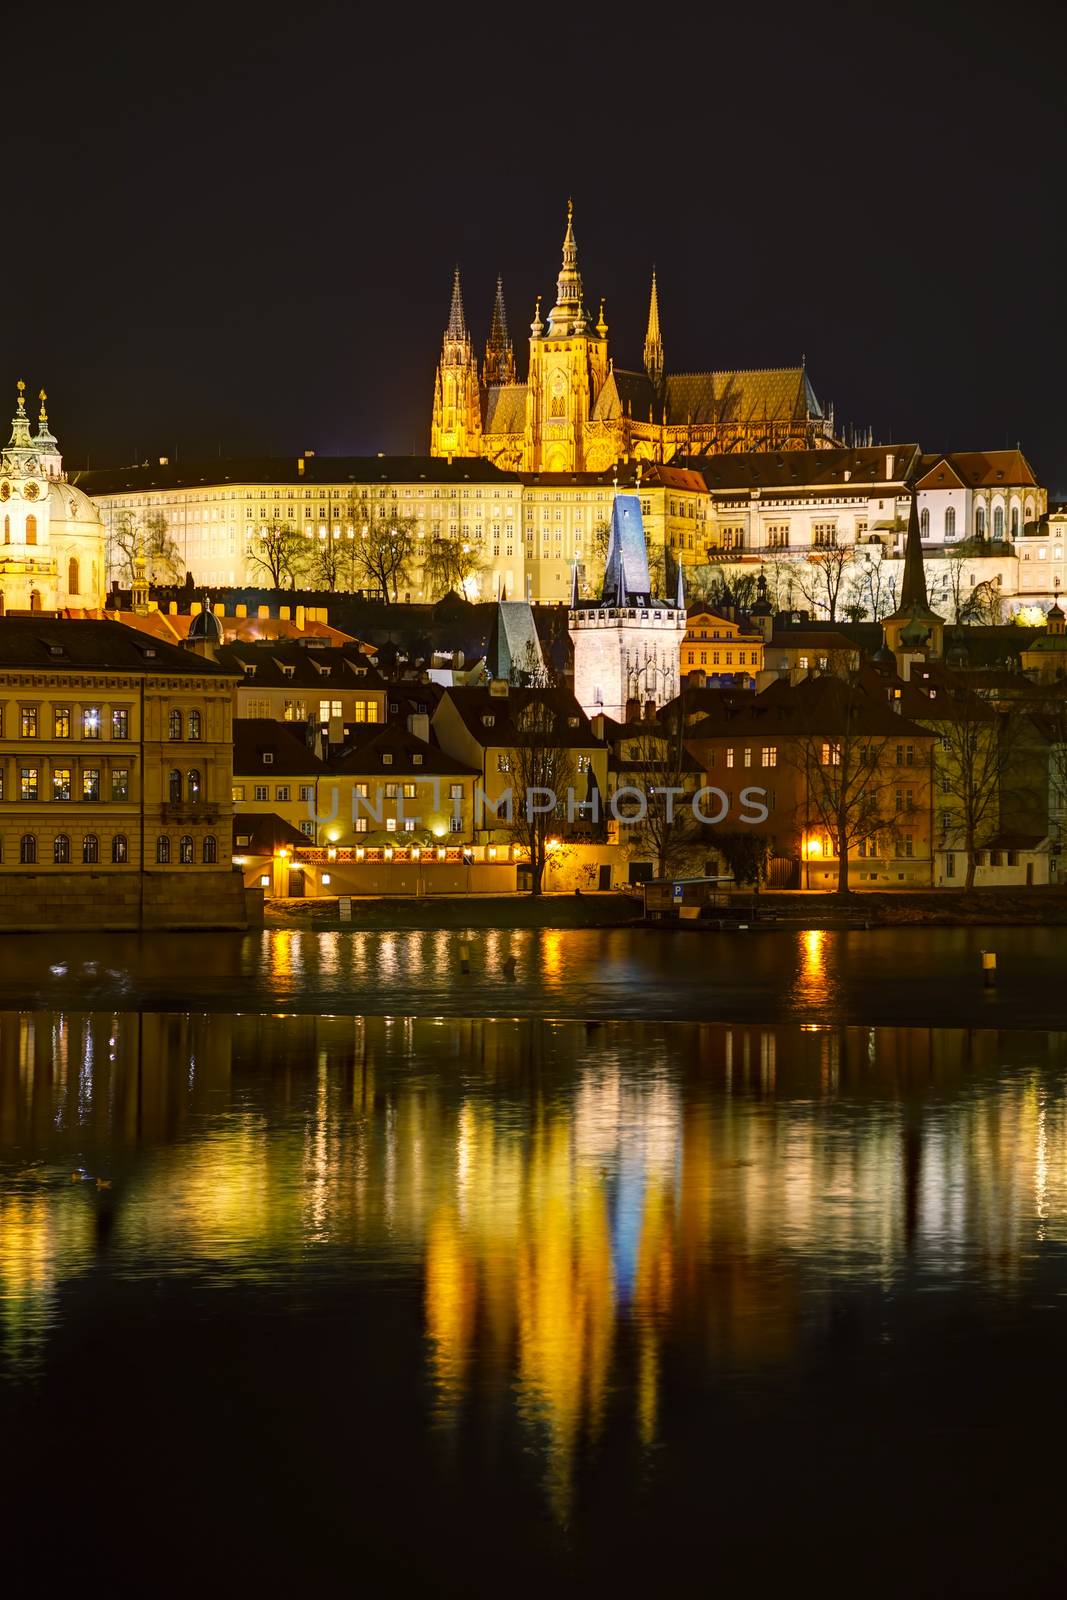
<point x="578" y="412"/>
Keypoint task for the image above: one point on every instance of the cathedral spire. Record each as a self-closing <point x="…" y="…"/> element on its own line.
<point x="568" y="314"/>
<point x="654" y="338"/>
<point x="499" y="366"/>
<point x="457" y="322"/>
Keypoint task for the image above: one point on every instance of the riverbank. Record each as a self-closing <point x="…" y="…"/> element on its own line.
<point x="1044" y="906"/>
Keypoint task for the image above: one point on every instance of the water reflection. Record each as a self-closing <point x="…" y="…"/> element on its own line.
<point x="583" y="1212"/>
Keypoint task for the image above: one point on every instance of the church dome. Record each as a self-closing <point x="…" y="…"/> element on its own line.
<point x="66" y="504"/>
<point x="206" y="625"/>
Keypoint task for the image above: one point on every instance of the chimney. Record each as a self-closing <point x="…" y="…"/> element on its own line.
<point x="498" y="688"/>
<point x="419" y="726"/>
<point x="633" y="709"/>
<point x="597" y="725"/>
<point x="698" y="679"/>
<point x="890" y="464"/>
<point x="650" y="710"/>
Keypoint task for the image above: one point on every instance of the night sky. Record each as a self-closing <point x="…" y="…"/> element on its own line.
<point x="233" y="229"/>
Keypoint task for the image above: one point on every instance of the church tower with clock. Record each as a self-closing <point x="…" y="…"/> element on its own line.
<point x="52" y="543"/>
<point x="568" y="365"/>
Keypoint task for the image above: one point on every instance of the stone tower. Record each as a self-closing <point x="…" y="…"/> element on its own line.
<point x="499" y="363"/>
<point x="456" y="429"/>
<point x="627" y="643"/>
<point x="568" y="365"/>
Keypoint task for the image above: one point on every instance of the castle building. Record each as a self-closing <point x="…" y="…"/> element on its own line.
<point x="577" y="412"/>
<point x="53" y="545"/>
<point x="627" y="644"/>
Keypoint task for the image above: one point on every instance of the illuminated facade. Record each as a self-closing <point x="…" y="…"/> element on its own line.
<point x="577" y="412"/>
<point x="115" y="780"/>
<point x="52" y="549"/>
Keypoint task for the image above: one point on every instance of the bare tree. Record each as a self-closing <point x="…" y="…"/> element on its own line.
<point x="279" y="553"/>
<point x="652" y="759"/>
<point x="971" y="602"/>
<point x="130" y="537"/>
<point x="451" y="561"/>
<point x="821" y="578"/>
<point x="542" y="765"/>
<point x="874" y="585"/>
<point x="844" y="754"/>
<point x="383" y="552"/>
<point x="976" y="745"/>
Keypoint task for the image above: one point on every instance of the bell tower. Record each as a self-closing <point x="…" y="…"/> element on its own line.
<point x="456" y="429"/>
<point x="568" y="365"/>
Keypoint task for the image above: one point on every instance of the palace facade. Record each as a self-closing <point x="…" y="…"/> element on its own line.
<point x="578" y="412"/>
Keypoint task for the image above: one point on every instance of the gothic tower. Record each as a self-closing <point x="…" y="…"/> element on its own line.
<point x="568" y="365"/>
<point x="627" y="643"/>
<point x="457" y="409"/>
<point x="654" y="342"/>
<point x="499" y="364"/>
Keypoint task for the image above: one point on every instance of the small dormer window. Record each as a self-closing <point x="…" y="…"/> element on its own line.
<point x="572" y="722"/>
<point x="387" y="759"/>
<point x="268" y="758"/>
<point x="416" y="760"/>
<point x="250" y="669"/>
<point x="488" y="721"/>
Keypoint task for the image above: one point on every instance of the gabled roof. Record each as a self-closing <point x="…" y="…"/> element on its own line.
<point x="626" y="394"/>
<point x="505" y="408"/>
<point x="514" y="645"/>
<point x="290" y="665"/>
<point x="771" y="394"/>
<point x="59" y="643"/>
<point x="977" y="469"/>
<point x="476" y="703"/>
<point x="266" y="832"/>
<point x="284" y="742"/>
<point x="817" y="706"/>
<point x="363" y="757"/>
<point x="846" y="470"/>
<point x="174" y="629"/>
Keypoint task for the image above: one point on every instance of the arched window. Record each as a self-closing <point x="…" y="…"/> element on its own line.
<point x="31" y="529"/>
<point x="979" y="522"/>
<point x="998" y="523"/>
<point x="175" y="786"/>
<point x="194" y="725"/>
<point x="28" y="850"/>
<point x="61" y="850"/>
<point x="924" y="524"/>
<point x="72" y="576"/>
<point x="120" y="850"/>
<point x="211" y="850"/>
<point x="1015" y="522"/>
<point x="185" y="851"/>
<point x="35" y="599"/>
<point x="175" y="724"/>
<point x="90" y="850"/>
<point x="163" y="850"/>
<point x="559" y="406"/>
<point x="192" y="781"/>
<point x="950" y="523"/>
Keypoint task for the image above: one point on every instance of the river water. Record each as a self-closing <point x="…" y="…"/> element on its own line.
<point x="447" y="1292"/>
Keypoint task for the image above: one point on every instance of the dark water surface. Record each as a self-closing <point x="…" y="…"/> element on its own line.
<point x="889" y="975"/>
<point x="461" y="1305"/>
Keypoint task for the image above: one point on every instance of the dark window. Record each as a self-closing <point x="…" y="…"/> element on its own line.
<point x="90" y="850"/>
<point x="175" y="724"/>
<point x="163" y="850"/>
<point x="211" y="851"/>
<point x="28" y="850"/>
<point x="120" y="850"/>
<point x="185" y="851"/>
<point x="61" y="850"/>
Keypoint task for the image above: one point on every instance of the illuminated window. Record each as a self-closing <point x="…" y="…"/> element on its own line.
<point x="769" y="756"/>
<point x="61" y="722"/>
<point x="28" y="722"/>
<point x="194" y="725"/>
<point x="175" y="725"/>
<point x="90" y="722"/>
<point x="27" y="783"/>
<point x="120" y="723"/>
<point x="60" y="783"/>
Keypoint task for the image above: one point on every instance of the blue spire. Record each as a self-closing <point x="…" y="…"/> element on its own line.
<point x="626" y="547"/>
